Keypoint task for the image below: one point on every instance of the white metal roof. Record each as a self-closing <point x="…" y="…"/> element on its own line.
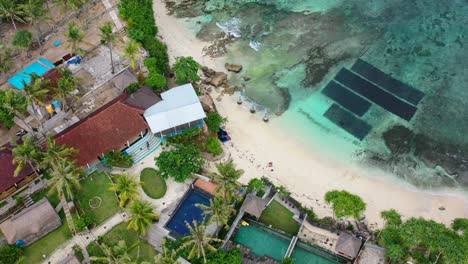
<point x="179" y="106"/>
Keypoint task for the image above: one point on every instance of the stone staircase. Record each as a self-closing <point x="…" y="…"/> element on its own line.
<point x="28" y="201"/>
<point x="139" y="150"/>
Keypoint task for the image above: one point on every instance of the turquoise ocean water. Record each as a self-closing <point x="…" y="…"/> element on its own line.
<point x="292" y="48"/>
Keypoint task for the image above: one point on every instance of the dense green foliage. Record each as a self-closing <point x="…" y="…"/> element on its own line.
<point x="6" y="114"/>
<point x="186" y="69"/>
<point x="85" y="221"/>
<point x="311" y="215"/>
<point x="187" y="136"/>
<point x="231" y="256"/>
<point x="132" y="88"/>
<point x="460" y="224"/>
<point x="156" y="81"/>
<point x="142" y="27"/>
<point x="423" y="240"/>
<point x="213" y="146"/>
<point x="255" y="184"/>
<point x="180" y="162"/>
<point x="345" y="204"/>
<point x="214" y="121"/>
<point x="118" y="159"/>
<point x="22" y="39"/>
<point x="10" y="253"/>
<point x="153" y="184"/>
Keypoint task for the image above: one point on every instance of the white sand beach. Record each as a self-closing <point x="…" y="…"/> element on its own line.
<point x="301" y="167"/>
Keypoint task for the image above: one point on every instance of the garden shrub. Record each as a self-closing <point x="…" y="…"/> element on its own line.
<point x="83" y="222"/>
<point x="187" y="136"/>
<point x="214" y="120"/>
<point x="118" y="159"/>
<point x="255" y="184"/>
<point x="180" y="162"/>
<point x="327" y="221"/>
<point x="132" y="88"/>
<point x="158" y="51"/>
<point x="213" y="146"/>
<point x="10" y="254"/>
<point x="140" y="19"/>
<point x="186" y="69"/>
<point x="311" y="215"/>
<point x="156" y="81"/>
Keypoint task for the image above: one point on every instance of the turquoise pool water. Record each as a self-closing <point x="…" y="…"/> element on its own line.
<point x="263" y="241"/>
<point x="24" y="76"/>
<point x="306" y="254"/>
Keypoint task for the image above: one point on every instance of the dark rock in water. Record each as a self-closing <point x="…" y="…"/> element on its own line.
<point x="233" y="67"/>
<point x="319" y="64"/>
<point x="398" y="139"/>
<point x="246" y="78"/>
<point x="208" y="72"/>
<point x="286" y="95"/>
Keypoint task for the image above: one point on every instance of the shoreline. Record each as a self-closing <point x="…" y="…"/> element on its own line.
<point x="300" y="166"/>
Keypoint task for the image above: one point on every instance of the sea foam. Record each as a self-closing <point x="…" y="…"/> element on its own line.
<point x="230" y="27"/>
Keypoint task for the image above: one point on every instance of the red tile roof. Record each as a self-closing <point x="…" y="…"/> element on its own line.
<point x="7" y="169"/>
<point x="106" y="129"/>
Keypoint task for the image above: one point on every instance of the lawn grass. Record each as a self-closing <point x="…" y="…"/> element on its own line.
<point x="97" y="185"/>
<point x="279" y="217"/>
<point x="44" y="246"/>
<point x="120" y="232"/>
<point x="154" y="185"/>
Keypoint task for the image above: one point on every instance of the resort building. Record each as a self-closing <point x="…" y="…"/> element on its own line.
<point x="178" y="110"/>
<point x="113" y="127"/>
<point x="348" y="246"/>
<point x="253" y="205"/>
<point x="371" y="254"/>
<point x="31" y="223"/>
<point x="10" y="184"/>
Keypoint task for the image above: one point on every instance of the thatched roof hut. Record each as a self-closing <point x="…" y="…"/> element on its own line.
<point x="254" y="205"/>
<point x="371" y="254"/>
<point x="348" y="245"/>
<point x="31" y="223"/>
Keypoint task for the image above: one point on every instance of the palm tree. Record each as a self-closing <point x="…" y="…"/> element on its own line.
<point x="35" y="93"/>
<point x="198" y="240"/>
<point x="11" y="10"/>
<point x="227" y="178"/>
<point x="117" y="254"/>
<point x="74" y="37"/>
<point x="27" y="153"/>
<point x="217" y="212"/>
<point x="131" y="51"/>
<point x="55" y="154"/>
<point x="17" y="105"/>
<point x="65" y="85"/>
<point x="64" y="180"/>
<point x="167" y="256"/>
<point x="127" y="188"/>
<point x="141" y="216"/>
<point x="108" y="38"/>
<point x="34" y="12"/>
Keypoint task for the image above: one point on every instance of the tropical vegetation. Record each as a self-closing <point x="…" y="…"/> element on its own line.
<point x="345" y="204"/>
<point x="126" y="187"/>
<point x="226" y="178"/>
<point x="185" y="69"/>
<point x="180" y="162"/>
<point x="214" y="120"/>
<point x="118" y="159"/>
<point x="218" y="211"/>
<point x="141" y="216"/>
<point x="199" y="241"/>
<point x="108" y="38"/>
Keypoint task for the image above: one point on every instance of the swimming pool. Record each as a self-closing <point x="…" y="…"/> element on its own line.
<point x="263" y="241"/>
<point x="39" y="67"/>
<point x="187" y="212"/>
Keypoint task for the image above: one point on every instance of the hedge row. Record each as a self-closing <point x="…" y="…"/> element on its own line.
<point x="142" y="28"/>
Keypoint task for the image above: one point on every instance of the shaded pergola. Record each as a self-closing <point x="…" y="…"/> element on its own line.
<point x="254" y="205"/>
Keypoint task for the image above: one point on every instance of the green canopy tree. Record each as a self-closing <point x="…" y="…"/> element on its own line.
<point x="180" y="162"/>
<point x="9" y="9"/>
<point x="35" y="94"/>
<point x="167" y="256"/>
<point x="27" y="153"/>
<point x="35" y="12"/>
<point x="5" y="60"/>
<point x="23" y="40"/>
<point x="108" y="38"/>
<point x="65" y="86"/>
<point x="345" y="204"/>
<point x="117" y="254"/>
<point x="74" y="37"/>
<point x="186" y="69"/>
<point x="14" y="104"/>
<point x="199" y="241"/>
<point x="127" y="189"/>
<point x="217" y="211"/>
<point x="226" y="178"/>
<point x="141" y="216"/>
<point x="55" y="153"/>
<point x="65" y="179"/>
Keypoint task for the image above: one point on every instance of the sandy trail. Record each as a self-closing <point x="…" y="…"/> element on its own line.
<point x="301" y="167"/>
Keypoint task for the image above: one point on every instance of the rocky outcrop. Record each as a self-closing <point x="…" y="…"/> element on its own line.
<point x="218" y="79"/>
<point x="233" y="67"/>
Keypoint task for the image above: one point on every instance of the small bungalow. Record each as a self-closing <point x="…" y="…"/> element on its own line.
<point x="254" y="205"/>
<point x="31" y="223"/>
<point x="113" y="127"/>
<point x="178" y="110"/>
<point x="9" y="184"/>
<point x="348" y="246"/>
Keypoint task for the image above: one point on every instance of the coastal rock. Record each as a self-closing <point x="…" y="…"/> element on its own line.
<point x="398" y="139"/>
<point x="233" y="67"/>
<point x="207" y="103"/>
<point x="319" y="63"/>
<point x="218" y="79"/>
<point x="208" y="72"/>
<point x="246" y="78"/>
<point x="231" y="90"/>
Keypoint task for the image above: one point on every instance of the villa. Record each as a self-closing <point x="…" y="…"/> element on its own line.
<point x="113" y="127"/>
<point x="179" y="109"/>
<point x="9" y="184"/>
<point x="31" y="223"/>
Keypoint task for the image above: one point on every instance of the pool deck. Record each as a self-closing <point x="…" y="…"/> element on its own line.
<point x="318" y="236"/>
